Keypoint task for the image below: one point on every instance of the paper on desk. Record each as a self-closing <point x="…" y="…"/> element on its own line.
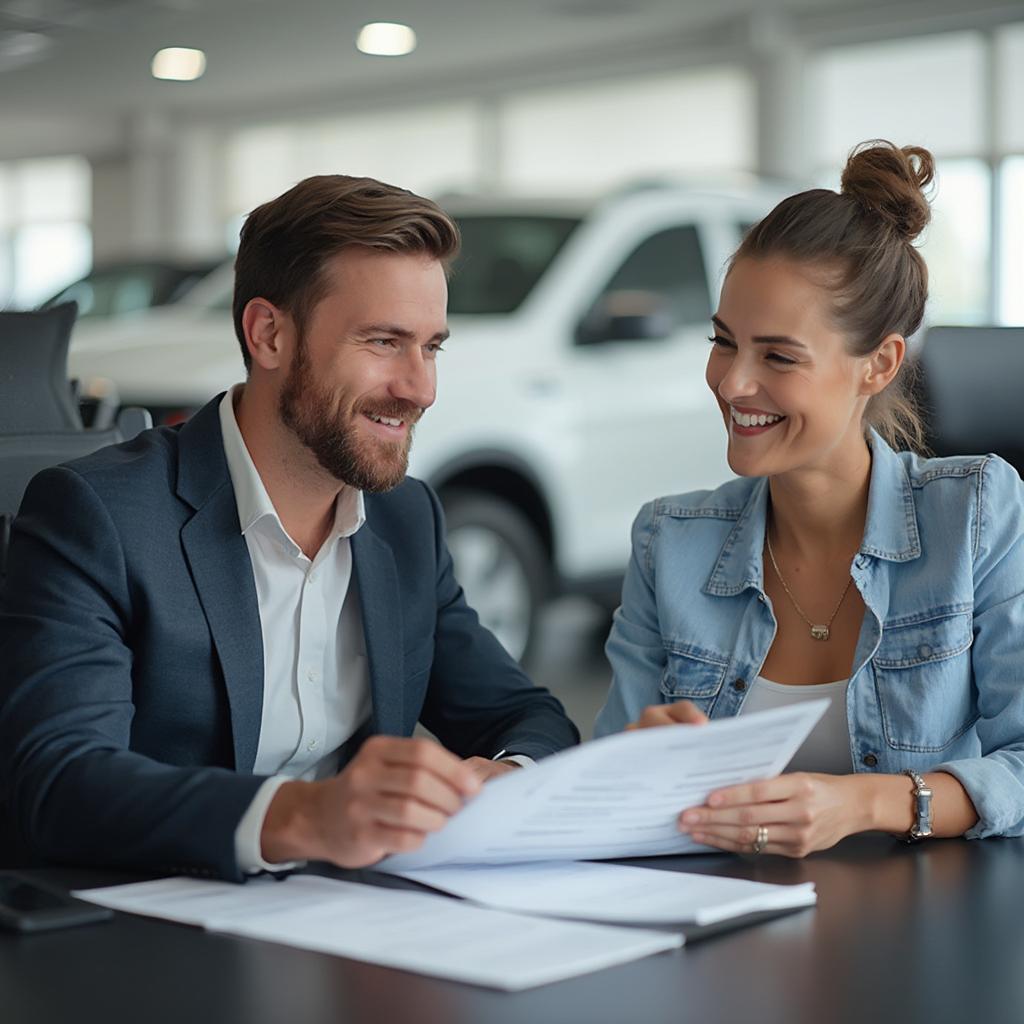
<point x="615" y="893"/>
<point x="413" y="931"/>
<point x="615" y="797"/>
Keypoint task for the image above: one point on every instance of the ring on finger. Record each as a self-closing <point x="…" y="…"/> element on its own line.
<point x="760" y="840"/>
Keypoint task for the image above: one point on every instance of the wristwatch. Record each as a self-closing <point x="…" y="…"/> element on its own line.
<point x="922" y="827"/>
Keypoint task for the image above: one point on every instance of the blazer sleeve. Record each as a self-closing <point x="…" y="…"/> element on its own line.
<point x="479" y="701"/>
<point x="76" y="791"/>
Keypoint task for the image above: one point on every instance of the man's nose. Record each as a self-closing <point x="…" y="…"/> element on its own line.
<point x="416" y="382"/>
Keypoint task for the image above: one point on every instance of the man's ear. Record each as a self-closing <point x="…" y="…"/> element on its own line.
<point x="883" y="364"/>
<point x="264" y="325"/>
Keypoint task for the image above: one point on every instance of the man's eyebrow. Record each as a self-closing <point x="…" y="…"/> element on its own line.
<point x="394" y="331"/>
<point x="762" y="339"/>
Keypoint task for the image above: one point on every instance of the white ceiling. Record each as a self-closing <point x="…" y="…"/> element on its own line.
<point x="64" y="60"/>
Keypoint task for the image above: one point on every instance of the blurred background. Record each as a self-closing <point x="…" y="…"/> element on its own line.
<point x="604" y="157"/>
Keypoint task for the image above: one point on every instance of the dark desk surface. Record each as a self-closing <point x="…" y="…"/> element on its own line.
<point x="926" y="933"/>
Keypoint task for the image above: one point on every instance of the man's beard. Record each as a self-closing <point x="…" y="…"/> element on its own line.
<point x="367" y="464"/>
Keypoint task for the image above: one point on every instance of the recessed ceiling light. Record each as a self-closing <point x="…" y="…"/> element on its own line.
<point x="179" y="64"/>
<point x="386" y="39"/>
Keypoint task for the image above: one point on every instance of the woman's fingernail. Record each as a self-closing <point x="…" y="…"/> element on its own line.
<point x="689" y="817"/>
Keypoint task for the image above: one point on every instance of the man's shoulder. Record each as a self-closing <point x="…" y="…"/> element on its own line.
<point x="391" y="510"/>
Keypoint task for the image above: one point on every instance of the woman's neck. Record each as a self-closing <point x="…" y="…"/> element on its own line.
<point x="819" y="510"/>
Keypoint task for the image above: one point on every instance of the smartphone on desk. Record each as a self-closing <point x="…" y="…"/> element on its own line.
<point x="30" y="906"/>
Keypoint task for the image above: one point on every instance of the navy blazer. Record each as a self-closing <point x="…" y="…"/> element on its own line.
<point x="131" y="682"/>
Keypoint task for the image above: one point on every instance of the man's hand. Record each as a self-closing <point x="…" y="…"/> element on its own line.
<point x="802" y="812"/>
<point x="682" y="712"/>
<point x="485" y="769"/>
<point x="390" y="796"/>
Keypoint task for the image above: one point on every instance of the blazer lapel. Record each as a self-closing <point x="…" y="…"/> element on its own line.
<point x="218" y="558"/>
<point x="376" y="576"/>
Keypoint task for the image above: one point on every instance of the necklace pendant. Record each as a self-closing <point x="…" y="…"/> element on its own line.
<point x="819" y="632"/>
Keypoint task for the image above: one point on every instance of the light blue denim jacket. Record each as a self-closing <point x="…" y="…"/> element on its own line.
<point x="938" y="673"/>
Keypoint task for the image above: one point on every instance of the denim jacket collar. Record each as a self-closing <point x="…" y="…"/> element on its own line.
<point x="890" y="531"/>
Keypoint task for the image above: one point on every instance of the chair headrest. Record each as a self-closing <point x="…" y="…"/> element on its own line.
<point x="34" y="391"/>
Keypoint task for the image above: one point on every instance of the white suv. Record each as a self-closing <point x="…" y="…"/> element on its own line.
<point x="572" y="389"/>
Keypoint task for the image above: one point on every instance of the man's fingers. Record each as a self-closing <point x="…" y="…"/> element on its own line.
<point x="422" y="784"/>
<point x="407" y="813"/>
<point x="426" y="755"/>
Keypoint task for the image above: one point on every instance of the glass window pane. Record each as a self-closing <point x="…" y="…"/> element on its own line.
<point x="6" y="197"/>
<point x="956" y="244"/>
<point x="52" y="190"/>
<point x="595" y="136"/>
<point x="928" y="92"/>
<point x="1012" y="254"/>
<point x="47" y="256"/>
<point x="1010" y="57"/>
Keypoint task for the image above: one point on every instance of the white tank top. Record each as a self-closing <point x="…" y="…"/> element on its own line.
<point x="827" y="749"/>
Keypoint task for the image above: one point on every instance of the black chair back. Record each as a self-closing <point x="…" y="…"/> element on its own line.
<point x="972" y="379"/>
<point x="35" y="395"/>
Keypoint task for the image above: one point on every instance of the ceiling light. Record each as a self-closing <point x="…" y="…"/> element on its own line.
<point x="179" y="64"/>
<point x="386" y="39"/>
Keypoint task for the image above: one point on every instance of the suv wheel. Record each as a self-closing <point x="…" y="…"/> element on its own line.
<point x="500" y="563"/>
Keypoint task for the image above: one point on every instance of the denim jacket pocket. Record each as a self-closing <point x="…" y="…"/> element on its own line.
<point x="924" y="684"/>
<point x="693" y="674"/>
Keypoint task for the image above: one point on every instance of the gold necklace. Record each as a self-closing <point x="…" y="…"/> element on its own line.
<point x="819" y="631"/>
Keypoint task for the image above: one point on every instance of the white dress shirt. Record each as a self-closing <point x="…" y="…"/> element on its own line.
<point x="315" y="680"/>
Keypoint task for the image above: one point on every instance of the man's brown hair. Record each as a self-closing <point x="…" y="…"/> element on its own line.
<point x="285" y="243"/>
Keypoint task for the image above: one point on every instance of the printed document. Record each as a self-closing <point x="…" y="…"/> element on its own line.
<point x="615" y="893"/>
<point x="619" y="796"/>
<point x="413" y="931"/>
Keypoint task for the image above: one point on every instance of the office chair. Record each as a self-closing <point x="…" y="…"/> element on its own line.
<point x="39" y="421"/>
<point x="970" y="390"/>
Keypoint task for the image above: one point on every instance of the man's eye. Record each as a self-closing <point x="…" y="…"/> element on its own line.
<point x="434" y="347"/>
<point x="382" y="342"/>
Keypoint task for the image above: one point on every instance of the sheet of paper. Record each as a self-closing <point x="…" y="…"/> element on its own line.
<point x="614" y="893"/>
<point x="413" y="931"/>
<point x="619" y="796"/>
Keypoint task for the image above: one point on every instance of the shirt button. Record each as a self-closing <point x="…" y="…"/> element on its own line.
<point x="312" y="745"/>
<point x="740" y="685"/>
<point x="870" y="760"/>
<point x="311" y="578"/>
<point x="311" y="675"/>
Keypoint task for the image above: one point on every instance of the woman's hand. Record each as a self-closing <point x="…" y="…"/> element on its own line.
<point x="802" y="812"/>
<point x="683" y="712"/>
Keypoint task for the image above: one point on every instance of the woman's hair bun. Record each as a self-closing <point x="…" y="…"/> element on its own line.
<point x="890" y="182"/>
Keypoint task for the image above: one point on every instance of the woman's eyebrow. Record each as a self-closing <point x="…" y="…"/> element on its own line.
<point x="763" y="339"/>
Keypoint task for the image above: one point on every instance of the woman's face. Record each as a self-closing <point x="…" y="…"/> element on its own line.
<point x="791" y="396"/>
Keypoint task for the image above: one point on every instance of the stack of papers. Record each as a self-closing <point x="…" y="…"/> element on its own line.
<point x="413" y="931"/>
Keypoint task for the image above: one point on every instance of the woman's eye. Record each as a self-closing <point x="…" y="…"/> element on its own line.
<point x="782" y="360"/>
<point x="717" y="339"/>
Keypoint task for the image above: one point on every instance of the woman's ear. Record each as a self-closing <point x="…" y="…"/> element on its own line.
<point x="883" y="364"/>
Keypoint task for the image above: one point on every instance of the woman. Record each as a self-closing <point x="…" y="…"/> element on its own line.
<point x="835" y="565"/>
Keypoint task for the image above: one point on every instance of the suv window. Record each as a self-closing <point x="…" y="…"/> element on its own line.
<point x="664" y="275"/>
<point x="502" y="258"/>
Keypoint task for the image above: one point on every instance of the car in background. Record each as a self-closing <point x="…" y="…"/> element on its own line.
<point x="127" y="287"/>
<point x="571" y="392"/>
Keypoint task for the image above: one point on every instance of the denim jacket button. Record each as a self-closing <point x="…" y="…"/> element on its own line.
<point x="739" y="685"/>
<point x="870" y="760"/>
<point x="925" y="651"/>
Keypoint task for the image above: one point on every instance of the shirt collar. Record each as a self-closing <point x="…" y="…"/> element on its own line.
<point x="254" y="504"/>
<point x="889" y="533"/>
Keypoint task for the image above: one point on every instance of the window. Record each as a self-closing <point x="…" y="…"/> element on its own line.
<point x="1012" y="255"/>
<point x="661" y="287"/>
<point x="501" y="259"/>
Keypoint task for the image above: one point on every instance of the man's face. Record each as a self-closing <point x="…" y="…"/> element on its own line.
<point x="364" y="369"/>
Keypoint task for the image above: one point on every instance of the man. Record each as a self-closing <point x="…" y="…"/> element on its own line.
<point x="202" y="626"/>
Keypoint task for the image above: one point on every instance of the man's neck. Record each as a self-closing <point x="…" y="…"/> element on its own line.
<point x="303" y="495"/>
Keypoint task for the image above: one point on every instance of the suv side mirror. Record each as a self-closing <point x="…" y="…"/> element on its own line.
<point x="626" y="316"/>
